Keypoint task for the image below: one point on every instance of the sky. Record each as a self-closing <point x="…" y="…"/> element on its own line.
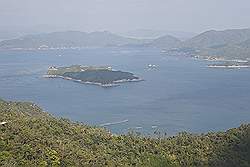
<point x="125" y="15"/>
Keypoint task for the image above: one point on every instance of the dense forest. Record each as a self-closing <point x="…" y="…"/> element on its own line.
<point x="31" y="137"/>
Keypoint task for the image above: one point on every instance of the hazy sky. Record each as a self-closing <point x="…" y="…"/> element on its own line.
<point x="123" y="15"/>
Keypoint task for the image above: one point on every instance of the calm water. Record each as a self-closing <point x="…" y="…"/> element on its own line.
<point x="181" y="95"/>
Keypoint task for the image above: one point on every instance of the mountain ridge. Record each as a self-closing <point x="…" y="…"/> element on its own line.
<point x="227" y="44"/>
<point x="213" y="38"/>
<point x="68" y="39"/>
<point x="165" y="42"/>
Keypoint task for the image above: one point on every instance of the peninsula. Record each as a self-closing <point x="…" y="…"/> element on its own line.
<point x="104" y="76"/>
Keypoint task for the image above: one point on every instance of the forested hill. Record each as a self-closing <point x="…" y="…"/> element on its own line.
<point x="31" y="137"/>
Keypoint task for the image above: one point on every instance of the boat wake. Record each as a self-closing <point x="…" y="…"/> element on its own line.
<point x="114" y="123"/>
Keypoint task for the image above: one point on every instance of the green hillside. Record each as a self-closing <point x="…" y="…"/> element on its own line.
<point x="32" y="137"/>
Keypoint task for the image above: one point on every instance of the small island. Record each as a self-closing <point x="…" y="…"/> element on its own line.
<point x="103" y="76"/>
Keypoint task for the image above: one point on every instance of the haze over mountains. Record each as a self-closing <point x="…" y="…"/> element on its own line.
<point x="153" y="34"/>
<point x="68" y="39"/>
<point x="231" y="44"/>
<point x="166" y="42"/>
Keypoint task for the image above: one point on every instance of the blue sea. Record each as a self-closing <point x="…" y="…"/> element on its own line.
<point x="181" y="94"/>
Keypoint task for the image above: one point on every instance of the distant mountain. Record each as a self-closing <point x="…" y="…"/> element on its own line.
<point x="152" y="34"/>
<point x="245" y="44"/>
<point x="233" y="43"/>
<point x="226" y="51"/>
<point x="228" y="44"/>
<point x="68" y="39"/>
<point x="229" y="51"/>
<point x="165" y="42"/>
<point x="214" y="38"/>
<point x="4" y="35"/>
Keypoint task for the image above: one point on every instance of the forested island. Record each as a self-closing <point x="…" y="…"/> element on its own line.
<point x="31" y="137"/>
<point x="103" y="76"/>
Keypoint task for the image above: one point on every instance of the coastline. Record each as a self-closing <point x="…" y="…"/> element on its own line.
<point x="219" y="59"/>
<point x="224" y="63"/>
<point x="113" y="84"/>
<point x="232" y="66"/>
